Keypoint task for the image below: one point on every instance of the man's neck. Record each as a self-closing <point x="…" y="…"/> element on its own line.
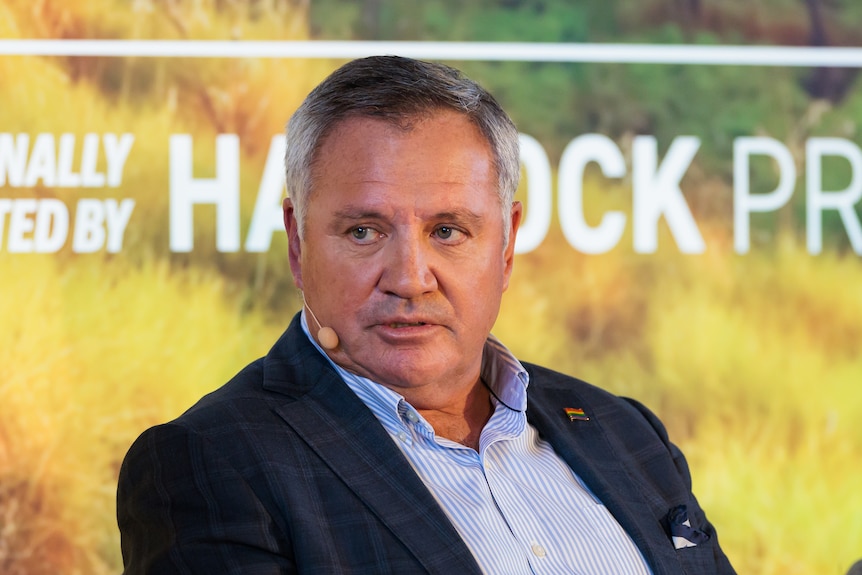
<point x="462" y="421"/>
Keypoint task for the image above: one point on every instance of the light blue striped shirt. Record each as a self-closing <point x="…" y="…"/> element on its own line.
<point x="516" y="504"/>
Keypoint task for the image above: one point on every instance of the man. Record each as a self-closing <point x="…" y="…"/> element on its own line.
<point x="387" y="431"/>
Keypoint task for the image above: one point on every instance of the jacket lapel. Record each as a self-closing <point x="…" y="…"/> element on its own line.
<point x="585" y="447"/>
<point x="344" y="433"/>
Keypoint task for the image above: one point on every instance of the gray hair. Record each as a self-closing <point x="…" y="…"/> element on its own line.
<point x="397" y="90"/>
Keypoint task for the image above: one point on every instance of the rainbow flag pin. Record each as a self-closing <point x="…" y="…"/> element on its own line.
<point x="576" y="414"/>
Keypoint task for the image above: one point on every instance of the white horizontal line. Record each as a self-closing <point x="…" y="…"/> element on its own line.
<point x="504" y="51"/>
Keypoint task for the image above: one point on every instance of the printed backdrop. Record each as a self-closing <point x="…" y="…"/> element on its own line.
<point x="692" y="239"/>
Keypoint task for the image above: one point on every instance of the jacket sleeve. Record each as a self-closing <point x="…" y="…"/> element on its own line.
<point x="183" y="508"/>
<point x="697" y="515"/>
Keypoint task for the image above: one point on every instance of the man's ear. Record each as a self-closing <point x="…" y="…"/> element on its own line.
<point x="294" y="244"/>
<point x="509" y="253"/>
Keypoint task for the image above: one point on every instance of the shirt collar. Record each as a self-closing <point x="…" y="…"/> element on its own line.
<point x="501" y="371"/>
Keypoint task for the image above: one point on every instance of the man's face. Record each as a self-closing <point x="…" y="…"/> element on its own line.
<point x="403" y="252"/>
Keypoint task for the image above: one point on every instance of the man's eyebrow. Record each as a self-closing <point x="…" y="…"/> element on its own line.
<point x="357" y="213"/>
<point x="460" y="215"/>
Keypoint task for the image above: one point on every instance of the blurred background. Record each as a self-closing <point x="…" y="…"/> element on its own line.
<point x="747" y="345"/>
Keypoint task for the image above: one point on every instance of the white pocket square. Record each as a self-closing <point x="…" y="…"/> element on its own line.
<point x="682" y="534"/>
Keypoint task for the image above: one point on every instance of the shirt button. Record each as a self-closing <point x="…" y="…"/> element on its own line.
<point x="402" y="436"/>
<point x="538" y="550"/>
<point x="411" y="415"/>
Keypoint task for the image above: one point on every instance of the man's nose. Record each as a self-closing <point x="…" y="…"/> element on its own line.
<point x="407" y="270"/>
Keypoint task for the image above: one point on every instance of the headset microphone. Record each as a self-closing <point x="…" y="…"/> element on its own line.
<point x="325" y="335"/>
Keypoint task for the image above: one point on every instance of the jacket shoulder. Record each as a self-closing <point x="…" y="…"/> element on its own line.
<point x="545" y="381"/>
<point x="630" y="426"/>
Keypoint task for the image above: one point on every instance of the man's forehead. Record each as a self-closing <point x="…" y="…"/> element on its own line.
<point x="440" y="142"/>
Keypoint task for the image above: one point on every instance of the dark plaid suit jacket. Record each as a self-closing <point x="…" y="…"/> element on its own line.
<point x="284" y="470"/>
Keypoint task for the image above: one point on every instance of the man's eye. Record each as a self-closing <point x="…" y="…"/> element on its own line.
<point x="447" y="233"/>
<point x="364" y="233"/>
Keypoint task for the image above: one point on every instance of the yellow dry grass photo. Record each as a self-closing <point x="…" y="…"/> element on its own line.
<point x="754" y="362"/>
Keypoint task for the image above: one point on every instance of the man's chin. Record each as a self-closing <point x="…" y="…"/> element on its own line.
<point x="409" y="374"/>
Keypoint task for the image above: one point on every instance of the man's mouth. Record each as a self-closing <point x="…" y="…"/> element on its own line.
<point x="398" y="325"/>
